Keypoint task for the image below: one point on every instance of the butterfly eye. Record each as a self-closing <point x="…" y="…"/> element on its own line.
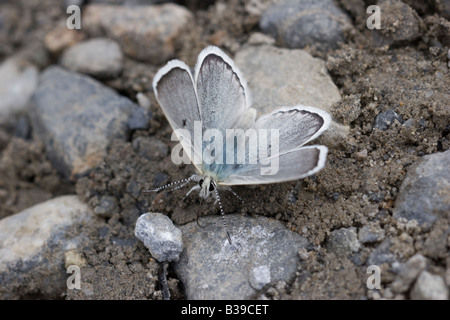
<point x="200" y="183"/>
<point x="211" y="187"/>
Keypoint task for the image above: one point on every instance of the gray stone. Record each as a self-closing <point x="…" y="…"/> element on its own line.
<point x="150" y="148"/>
<point x="382" y="254"/>
<point x="107" y="206"/>
<point x="425" y="192"/>
<point x="262" y="252"/>
<point x="343" y="241"/>
<point x="139" y="119"/>
<point x="371" y="233"/>
<point x="399" y="24"/>
<point x="429" y="287"/>
<point x="385" y="119"/>
<point x="101" y="58"/>
<point x="296" y="24"/>
<point x="408" y="273"/>
<point x="281" y="77"/>
<point x="145" y="33"/>
<point x="33" y="247"/>
<point x="18" y="80"/>
<point x="77" y="118"/>
<point x="160" y="236"/>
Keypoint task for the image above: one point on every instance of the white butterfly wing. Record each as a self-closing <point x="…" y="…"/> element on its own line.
<point x="222" y="91"/>
<point x="292" y="165"/>
<point x="295" y="126"/>
<point x="174" y="89"/>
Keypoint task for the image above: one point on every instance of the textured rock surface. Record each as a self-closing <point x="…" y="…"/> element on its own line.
<point x="101" y="58"/>
<point x="33" y="245"/>
<point x="77" y="118"/>
<point x="160" y="236"/>
<point x="343" y="241"/>
<point x="263" y="251"/>
<point x="429" y="287"/>
<point x="146" y="33"/>
<point x="281" y="77"/>
<point x="399" y="23"/>
<point x="408" y="273"/>
<point x="425" y="192"/>
<point x="297" y="24"/>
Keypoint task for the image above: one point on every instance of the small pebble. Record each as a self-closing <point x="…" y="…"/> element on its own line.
<point x="429" y="287"/>
<point x="361" y="155"/>
<point x="160" y="236"/>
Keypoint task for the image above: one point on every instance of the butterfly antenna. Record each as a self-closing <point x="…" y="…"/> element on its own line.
<point x="183" y="183"/>
<point x="223" y="215"/>
<point x="235" y="194"/>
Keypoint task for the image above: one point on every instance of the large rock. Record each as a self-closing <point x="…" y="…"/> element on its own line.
<point x="35" y="244"/>
<point x="296" y="24"/>
<point x="425" y="192"/>
<point x="262" y="252"/>
<point x="101" y="58"/>
<point x="146" y="33"/>
<point x="77" y="118"/>
<point x="282" y="77"/>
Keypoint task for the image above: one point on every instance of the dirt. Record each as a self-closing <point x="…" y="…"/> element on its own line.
<point x="358" y="185"/>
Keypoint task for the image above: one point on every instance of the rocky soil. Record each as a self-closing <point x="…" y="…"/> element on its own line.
<point x="81" y="136"/>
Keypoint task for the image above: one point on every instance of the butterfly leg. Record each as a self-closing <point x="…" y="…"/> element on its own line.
<point x="196" y="187"/>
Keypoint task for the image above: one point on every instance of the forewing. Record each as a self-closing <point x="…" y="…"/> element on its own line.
<point x="174" y="89"/>
<point x="222" y="92"/>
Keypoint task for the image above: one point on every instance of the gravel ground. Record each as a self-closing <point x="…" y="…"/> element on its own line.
<point x="87" y="132"/>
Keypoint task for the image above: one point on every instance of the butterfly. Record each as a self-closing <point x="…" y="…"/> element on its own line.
<point x="215" y="98"/>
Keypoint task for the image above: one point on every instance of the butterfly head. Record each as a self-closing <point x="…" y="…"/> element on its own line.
<point x="207" y="186"/>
